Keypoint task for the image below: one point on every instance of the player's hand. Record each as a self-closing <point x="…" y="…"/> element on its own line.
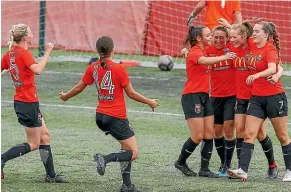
<point x="230" y="55"/>
<point x="252" y="78"/>
<point x="63" y="96"/>
<point x="5" y="71"/>
<point x="224" y="22"/>
<point x="273" y="79"/>
<point x="153" y="103"/>
<point x="49" y="47"/>
<point x="184" y="52"/>
<point x="191" y="18"/>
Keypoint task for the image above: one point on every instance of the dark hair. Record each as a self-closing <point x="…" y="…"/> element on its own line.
<point x="270" y="29"/>
<point x="104" y="46"/>
<point x="244" y="29"/>
<point x="193" y="33"/>
<point x="221" y="28"/>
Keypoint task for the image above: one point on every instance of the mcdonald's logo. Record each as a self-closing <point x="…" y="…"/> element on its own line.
<point x="240" y="62"/>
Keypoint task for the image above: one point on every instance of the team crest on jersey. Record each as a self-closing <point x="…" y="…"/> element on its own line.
<point x="225" y="50"/>
<point x="198" y="108"/>
<point x="247" y="56"/>
<point x="39" y="117"/>
<point x="259" y="58"/>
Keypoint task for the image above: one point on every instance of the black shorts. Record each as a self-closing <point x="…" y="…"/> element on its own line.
<point x="241" y="106"/>
<point x="28" y="114"/>
<point x="223" y="108"/>
<point x="118" y="128"/>
<point x="196" y="105"/>
<point x="268" y="106"/>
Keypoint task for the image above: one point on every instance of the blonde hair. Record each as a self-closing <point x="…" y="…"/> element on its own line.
<point x="16" y="33"/>
<point x="244" y="29"/>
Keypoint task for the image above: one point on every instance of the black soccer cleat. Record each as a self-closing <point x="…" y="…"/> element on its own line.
<point x="207" y="173"/>
<point x="58" y="178"/>
<point x="100" y="163"/>
<point x="185" y="169"/>
<point x="272" y="173"/>
<point x="130" y="188"/>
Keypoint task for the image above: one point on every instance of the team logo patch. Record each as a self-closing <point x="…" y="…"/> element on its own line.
<point x="259" y="58"/>
<point x="226" y="50"/>
<point x="198" y="108"/>
<point x="39" y="117"/>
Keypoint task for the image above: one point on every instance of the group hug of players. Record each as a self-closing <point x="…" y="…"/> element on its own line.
<point x="240" y="62"/>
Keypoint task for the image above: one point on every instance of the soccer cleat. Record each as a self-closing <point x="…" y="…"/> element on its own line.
<point x="100" y="163"/>
<point x="185" y="169"/>
<point x="130" y="188"/>
<point x="2" y="172"/>
<point x="287" y="176"/>
<point x="220" y="169"/>
<point x="207" y="173"/>
<point x="237" y="173"/>
<point x="272" y="173"/>
<point x="58" y="178"/>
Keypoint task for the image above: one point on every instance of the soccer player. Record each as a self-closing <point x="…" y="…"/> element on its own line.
<point x="111" y="79"/>
<point x="23" y="67"/>
<point x="223" y="94"/>
<point x="196" y="103"/>
<point x="230" y="10"/>
<point x="239" y="36"/>
<point x="268" y="100"/>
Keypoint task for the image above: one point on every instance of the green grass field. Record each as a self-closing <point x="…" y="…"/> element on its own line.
<point x="75" y="139"/>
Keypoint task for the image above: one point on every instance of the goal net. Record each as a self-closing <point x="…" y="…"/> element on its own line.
<point x="141" y="30"/>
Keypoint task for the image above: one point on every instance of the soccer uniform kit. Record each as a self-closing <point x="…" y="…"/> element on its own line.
<point x="18" y="60"/>
<point x="111" y="115"/>
<point x="268" y="100"/>
<point x="223" y="86"/>
<point x="195" y="97"/>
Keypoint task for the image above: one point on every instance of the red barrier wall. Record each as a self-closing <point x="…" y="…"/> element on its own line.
<point x="137" y="27"/>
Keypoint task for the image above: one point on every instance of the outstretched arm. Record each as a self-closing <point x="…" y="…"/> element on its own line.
<point x="73" y="92"/>
<point x="131" y="93"/>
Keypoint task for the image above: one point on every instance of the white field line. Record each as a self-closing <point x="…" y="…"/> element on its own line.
<point x="93" y="108"/>
<point x="131" y="77"/>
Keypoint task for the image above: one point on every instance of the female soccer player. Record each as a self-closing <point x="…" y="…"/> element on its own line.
<point x="195" y="101"/>
<point x="111" y="79"/>
<point x="223" y="94"/>
<point x="22" y="67"/>
<point x="268" y="100"/>
<point x="239" y="36"/>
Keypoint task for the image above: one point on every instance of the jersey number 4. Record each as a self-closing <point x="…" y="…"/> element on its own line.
<point x="106" y="82"/>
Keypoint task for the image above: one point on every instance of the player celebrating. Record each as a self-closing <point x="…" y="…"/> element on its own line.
<point x="268" y="99"/>
<point x="239" y="36"/>
<point x="22" y="67"/>
<point x="230" y="10"/>
<point x="223" y="93"/>
<point x="111" y="79"/>
<point x="195" y="101"/>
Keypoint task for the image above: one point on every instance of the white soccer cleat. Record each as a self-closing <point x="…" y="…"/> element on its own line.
<point x="237" y="173"/>
<point x="287" y="176"/>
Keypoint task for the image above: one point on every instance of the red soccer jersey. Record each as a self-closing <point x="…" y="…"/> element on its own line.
<point x="243" y="90"/>
<point x="223" y="74"/>
<point x="197" y="75"/>
<point x="258" y="61"/>
<point x="110" y="83"/>
<point x="18" y="61"/>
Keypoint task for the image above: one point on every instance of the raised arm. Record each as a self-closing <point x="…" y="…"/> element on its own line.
<point x="198" y="8"/>
<point x="38" y="68"/>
